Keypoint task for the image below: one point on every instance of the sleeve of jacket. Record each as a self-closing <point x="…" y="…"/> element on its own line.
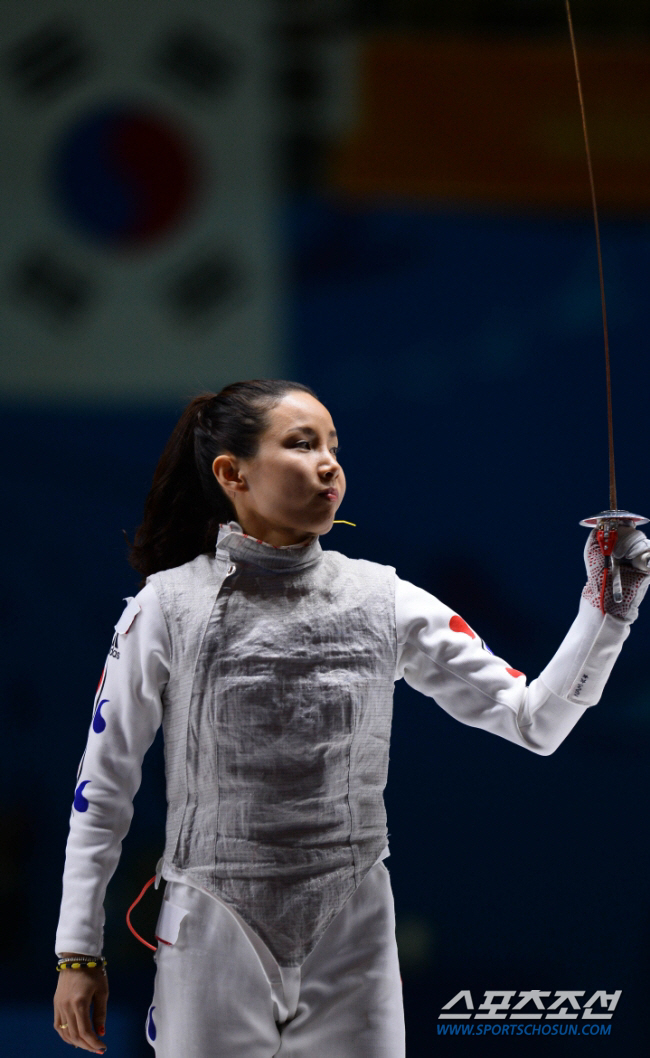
<point x="441" y="656"/>
<point x="126" y="715"/>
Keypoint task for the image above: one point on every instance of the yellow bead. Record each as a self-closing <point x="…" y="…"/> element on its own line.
<point x="75" y="965"/>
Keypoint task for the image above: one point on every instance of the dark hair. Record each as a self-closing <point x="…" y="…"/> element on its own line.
<point x="186" y="502"/>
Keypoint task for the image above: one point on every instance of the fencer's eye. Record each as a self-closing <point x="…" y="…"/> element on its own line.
<point x="303" y="442"/>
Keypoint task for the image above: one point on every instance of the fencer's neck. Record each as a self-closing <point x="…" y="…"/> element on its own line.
<point x="240" y="547"/>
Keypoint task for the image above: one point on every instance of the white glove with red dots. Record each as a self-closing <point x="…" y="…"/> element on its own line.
<point x="632" y="553"/>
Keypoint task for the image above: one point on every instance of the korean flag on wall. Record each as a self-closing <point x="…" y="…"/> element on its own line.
<point x="137" y="257"/>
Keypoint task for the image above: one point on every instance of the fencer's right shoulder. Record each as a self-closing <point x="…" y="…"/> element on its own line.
<point x="186" y="589"/>
<point x="201" y="568"/>
<point x="145" y="603"/>
<point x="147" y="599"/>
<point x="142" y="636"/>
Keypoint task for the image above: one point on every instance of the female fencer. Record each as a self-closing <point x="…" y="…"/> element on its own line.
<point x="270" y="664"/>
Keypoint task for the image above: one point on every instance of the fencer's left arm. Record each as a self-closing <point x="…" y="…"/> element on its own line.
<point x="441" y="656"/>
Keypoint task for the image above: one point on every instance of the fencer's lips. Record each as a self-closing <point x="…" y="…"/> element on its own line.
<point x="329" y="494"/>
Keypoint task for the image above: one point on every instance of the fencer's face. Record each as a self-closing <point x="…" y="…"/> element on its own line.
<point x="292" y="488"/>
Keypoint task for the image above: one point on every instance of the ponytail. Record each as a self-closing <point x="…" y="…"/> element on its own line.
<point x="186" y="503"/>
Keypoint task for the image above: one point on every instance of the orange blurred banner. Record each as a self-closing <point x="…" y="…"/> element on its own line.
<point x="499" y="122"/>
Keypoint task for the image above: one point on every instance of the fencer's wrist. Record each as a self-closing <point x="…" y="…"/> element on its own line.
<point x="81" y="963"/>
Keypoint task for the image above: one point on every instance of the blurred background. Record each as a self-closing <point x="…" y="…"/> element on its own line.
<point x="388" y="201"/>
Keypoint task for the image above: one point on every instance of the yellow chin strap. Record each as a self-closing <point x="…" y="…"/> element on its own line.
<point x="342" y="521"/>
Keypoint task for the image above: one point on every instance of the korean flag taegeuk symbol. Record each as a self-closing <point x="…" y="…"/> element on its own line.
<point x="138" y="255"/>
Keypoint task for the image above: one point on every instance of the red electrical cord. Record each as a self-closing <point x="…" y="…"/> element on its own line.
<point x="607" y="540"/>
<point x="128" y="916"/>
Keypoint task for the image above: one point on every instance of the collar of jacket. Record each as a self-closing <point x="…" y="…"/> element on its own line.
<point x="238" y="547"/>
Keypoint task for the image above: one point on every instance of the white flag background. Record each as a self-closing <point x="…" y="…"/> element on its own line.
<point x="137" y="253"/>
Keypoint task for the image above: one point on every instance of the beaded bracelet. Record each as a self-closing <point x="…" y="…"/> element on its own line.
<point x="82" y="962"/>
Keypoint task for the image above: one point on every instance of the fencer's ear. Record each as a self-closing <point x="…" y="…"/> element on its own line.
<point x="226" y="470"/>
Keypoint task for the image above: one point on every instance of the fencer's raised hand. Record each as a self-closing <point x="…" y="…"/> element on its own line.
<point x="76" y="991"/>
<point x="632" y="552"/>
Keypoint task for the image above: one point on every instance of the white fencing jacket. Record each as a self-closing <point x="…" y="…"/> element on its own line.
<point x="272" y="670"/>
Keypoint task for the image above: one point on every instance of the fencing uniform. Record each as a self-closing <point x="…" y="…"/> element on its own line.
<point x="272" y="671"/>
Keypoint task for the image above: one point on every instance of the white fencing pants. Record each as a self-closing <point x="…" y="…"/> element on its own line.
<point x="219" y="993"/>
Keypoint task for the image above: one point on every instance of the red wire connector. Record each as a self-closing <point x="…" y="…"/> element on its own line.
<point x="607" y="538"/>
<point x="128" y="915"/>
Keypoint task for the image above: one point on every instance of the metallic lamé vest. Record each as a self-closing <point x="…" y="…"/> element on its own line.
<point x="277" y="721"/>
